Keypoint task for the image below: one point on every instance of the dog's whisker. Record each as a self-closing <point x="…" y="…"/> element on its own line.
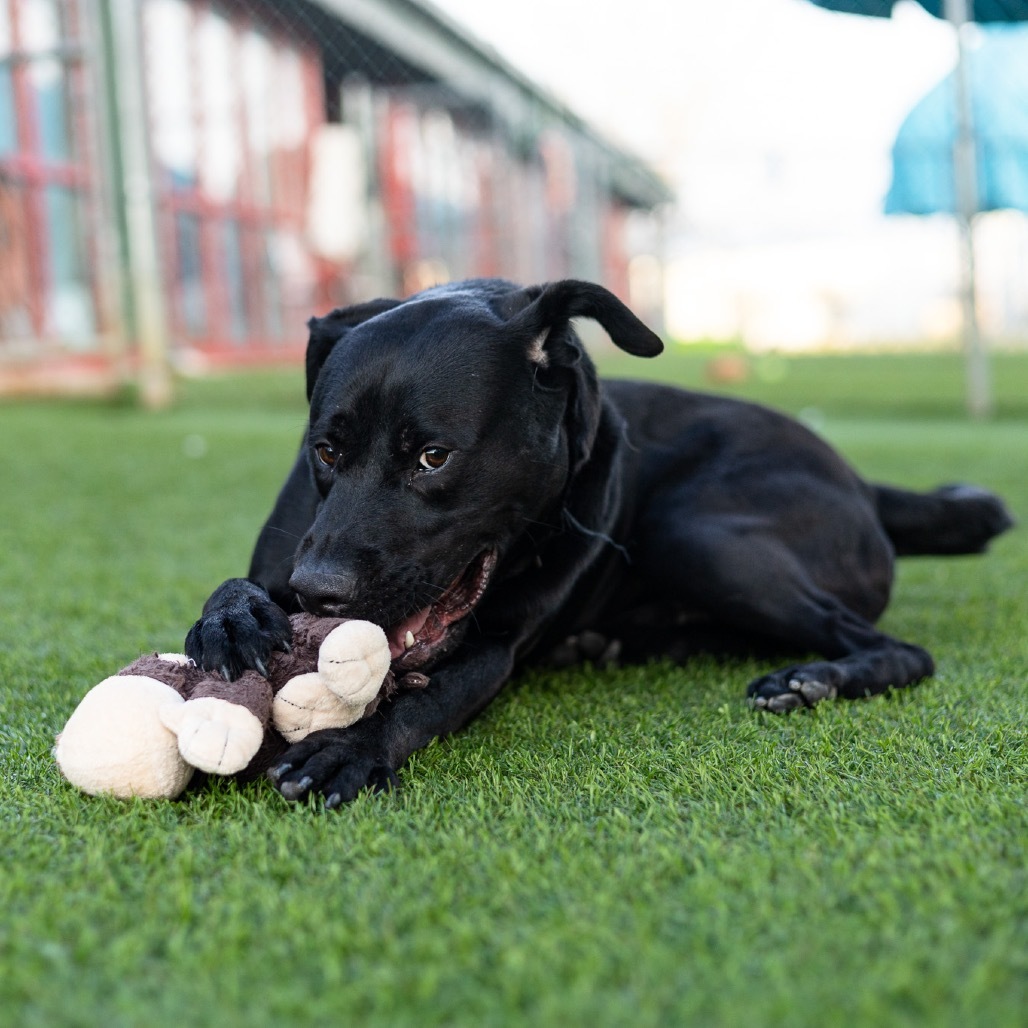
<point x="535" y="521"/>
<point x="282" y="531"/>
<point x="592" y="533"/>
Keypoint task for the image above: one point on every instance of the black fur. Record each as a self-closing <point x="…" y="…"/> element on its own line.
<point x="637" y="520"/>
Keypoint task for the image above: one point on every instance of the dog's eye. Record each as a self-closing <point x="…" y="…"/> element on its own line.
<point x="326" y="455"/>
<point x="433" y="457"/>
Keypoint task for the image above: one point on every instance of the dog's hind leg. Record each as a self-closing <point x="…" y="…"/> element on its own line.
<point x="949" y="520"/>
<point x="749" y="580"/>
<point x="885" y="663"/>
<point x="952" y="519"/>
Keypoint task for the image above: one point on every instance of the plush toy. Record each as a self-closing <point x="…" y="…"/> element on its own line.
<point x="144" y="731"/>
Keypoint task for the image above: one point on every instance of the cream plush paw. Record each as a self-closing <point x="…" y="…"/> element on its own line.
<point x="352" y="664"/>
<point x="213" y="734"/>
<point x="115" y="742"/>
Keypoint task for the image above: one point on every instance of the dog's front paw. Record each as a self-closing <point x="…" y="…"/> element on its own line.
<point x="240" y="628"/>
<point x="793" y="688"/>
<point x="337" y="764"/>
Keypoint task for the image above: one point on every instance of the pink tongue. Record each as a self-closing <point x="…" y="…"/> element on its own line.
<point x="413" y="624"/>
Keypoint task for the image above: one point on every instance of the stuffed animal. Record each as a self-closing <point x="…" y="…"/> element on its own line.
<point x="144" y="731"/>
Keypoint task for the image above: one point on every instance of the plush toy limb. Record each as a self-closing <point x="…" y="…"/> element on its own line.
<point x="115" y="742"/>
<point x="221" y="726"/>
<point x="214" y="735"/>
<point x="352" y="665"/>
<point x="354" y="659"/>
<point x="305" y="704"/>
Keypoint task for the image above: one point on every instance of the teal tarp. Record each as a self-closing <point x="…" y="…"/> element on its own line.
<point x="981" y="10"/>
<point x="922" y="156"/>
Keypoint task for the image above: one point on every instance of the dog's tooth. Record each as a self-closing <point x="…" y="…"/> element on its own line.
<point x="408" y="639"/>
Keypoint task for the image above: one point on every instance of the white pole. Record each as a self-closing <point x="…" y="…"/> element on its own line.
<point x="155" y="383"/>
<point x="979" y="388"/>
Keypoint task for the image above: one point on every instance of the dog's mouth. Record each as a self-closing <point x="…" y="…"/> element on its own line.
<point x="431" y="633"/>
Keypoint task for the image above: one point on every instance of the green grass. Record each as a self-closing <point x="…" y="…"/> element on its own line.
<point x="628" y="847"/>
<point x="900" y="385"/>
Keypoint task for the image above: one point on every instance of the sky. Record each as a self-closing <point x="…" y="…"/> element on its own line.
<point x="722" y="94"/>
<point x="773" y="121"/>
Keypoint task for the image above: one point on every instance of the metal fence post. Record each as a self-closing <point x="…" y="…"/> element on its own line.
<point x="965" y="181"/>
<point x="136" y="195"/>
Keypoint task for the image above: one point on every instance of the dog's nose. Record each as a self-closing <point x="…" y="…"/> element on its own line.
<point x="322" y="592"/>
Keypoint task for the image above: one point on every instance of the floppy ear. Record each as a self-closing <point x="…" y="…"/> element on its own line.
<point x="327" y="331"/>
<point x="542" y="313"/>
<point x="540" y="317"/>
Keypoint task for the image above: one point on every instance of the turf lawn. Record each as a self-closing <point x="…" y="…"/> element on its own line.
<point x="621" y="847"/>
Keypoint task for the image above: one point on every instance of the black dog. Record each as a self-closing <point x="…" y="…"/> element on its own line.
<point x="465" y="482"/>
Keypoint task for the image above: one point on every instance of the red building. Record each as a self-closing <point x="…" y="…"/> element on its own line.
<point x="183" y="182"/>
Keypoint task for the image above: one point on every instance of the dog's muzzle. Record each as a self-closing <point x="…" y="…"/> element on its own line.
<point x="430" y="633"/>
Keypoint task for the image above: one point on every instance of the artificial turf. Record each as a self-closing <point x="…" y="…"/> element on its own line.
<point x="628" y="846"/>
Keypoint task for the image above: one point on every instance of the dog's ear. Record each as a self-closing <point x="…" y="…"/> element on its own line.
<point x="327" y="331"/>
<point x="542" y="314"/>
<point x="540" y="317"/>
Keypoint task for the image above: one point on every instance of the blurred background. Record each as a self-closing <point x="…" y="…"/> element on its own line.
<point x="184" y="182"/>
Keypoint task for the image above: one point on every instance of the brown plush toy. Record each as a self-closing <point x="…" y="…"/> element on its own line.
<point x="144" y="731"/>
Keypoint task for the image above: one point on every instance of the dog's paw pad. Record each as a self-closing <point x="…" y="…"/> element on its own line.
<point x="785" y="702"/>
<point x="587" y="646"/>
<point x="812" y="690"/>
<point x="793" y="689"/>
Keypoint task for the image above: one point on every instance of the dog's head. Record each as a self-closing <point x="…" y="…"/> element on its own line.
<point x="442" y="428"/>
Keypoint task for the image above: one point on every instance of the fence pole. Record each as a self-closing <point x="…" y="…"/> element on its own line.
<point x="965" y="180"/>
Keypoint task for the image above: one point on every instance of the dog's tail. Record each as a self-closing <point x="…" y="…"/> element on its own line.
<point x="949" y="520"/>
